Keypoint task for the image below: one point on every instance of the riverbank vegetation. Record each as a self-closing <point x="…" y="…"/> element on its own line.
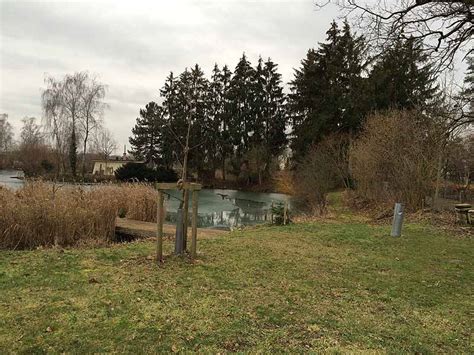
<point x="339" y="285"/>
<point x="43" y="214"/>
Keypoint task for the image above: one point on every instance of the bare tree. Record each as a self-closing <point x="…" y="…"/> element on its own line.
<point x="72" y="107"/>
<point x="446" y="27"/>
<point x="104" y="143"/>
<point x="55" y="120"/>
<point x="6" y="133"/>
<point x="31" y="133"/>
<point x="92" y="112"/>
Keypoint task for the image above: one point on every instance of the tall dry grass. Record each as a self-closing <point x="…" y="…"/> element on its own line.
<point x="45" y="214"/>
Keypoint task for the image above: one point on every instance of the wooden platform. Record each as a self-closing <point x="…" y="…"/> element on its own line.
<point x="132" y="229"/>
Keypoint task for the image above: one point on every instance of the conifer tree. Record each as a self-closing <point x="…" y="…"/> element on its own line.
<point x="402" y="78"/>
<point x="326" y="91"/>
<point x="146" y="142"/>
<point x="273" y="109"/>
<point x="169" y="93"/>
<point x="241" y="97"/>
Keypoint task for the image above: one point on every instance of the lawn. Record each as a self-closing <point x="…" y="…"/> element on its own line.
<point x="338" y="285"/>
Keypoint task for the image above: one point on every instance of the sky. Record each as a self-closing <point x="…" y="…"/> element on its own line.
<point x="133" y="45"/>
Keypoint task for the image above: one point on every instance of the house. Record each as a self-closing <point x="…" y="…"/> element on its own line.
<point x="107" y="167"/>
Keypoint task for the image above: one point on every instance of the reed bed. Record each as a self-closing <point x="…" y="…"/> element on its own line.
<point x="44" y="214"/>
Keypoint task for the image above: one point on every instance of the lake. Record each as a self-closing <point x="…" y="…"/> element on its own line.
<point x="218" y="208"/>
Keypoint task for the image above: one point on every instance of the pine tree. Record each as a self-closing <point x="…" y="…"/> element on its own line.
<point x="402" y="78"/>
<point x="326" y="91"/>
<point x="468" y="92"/>
<point x="273" y="108"/>
<point x="169" y="93"/>
<point x="241" y="99"/>
<point x="146" y="135"/>
<point x="225" y="146"/>
<point x="214" y="119"/>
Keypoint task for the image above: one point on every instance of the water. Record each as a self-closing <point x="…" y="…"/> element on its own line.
<point x="217" y="208"/>
<point x="227" y="208"/>
<point x="10" y="179"/>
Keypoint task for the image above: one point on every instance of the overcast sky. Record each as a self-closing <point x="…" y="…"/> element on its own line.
<point x="132" y="45"/>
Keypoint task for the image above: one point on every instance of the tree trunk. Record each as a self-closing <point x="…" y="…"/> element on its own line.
<point x="84" y="150"/>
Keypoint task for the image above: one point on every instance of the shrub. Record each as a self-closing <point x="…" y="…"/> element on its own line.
<point x="140" y="172"/>
<point x="324" y="168"/>
<point x="278" y="212"/>
<point x="395" y="158"/>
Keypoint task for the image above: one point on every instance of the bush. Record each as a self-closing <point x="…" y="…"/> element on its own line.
<point x="324" y="168"/>
<point x="395" y="158"/>
<point x="140" y="172"/>
<point x="278" y="212"/>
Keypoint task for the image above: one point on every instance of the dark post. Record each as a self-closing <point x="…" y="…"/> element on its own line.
<point x="178" y="245"/>
<point x="159" y="229"/>
<point x="194" y="224"/>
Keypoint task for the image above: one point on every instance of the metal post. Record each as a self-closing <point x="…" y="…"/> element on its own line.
<point x="178" y="244"/>
<point x="185" y="218"/>
<point x="159" y="229"/>
<point x="397" y="220"/>
<point x="194" y="225"/>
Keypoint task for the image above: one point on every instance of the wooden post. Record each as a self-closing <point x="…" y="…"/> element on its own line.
<point x="159" y="230"/>
<point x="285" y="212"/>
<point x="194" y="224"/>
<point x="271" y="212"/>
<point x="185" y="218"/>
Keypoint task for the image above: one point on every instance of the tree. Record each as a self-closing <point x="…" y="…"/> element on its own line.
<point x="104" y="143"/>
<point x="327" y="93"/>
<point x="31" y="134"/>
<point x="33" y="153"/>
<point x="224" y="139"/>
<point x="402" y="77"/>
<point x="273" y="108"/>
<point x="445" y="27"/>
<point x="72" y="107"/>
<point x="92" y="111"/>
<point x="6" y="133"/>
<point x="146" y="135"/>
<point x="241" y="97"/>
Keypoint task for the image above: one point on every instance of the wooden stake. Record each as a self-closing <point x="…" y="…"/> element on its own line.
<point x="194" y="225"/>
<point x="159" y="229"/>
<point x="271" y="212"/>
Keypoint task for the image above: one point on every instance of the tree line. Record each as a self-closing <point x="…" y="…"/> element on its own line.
<point x="242" y="120"/>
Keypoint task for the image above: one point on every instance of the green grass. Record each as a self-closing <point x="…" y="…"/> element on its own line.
<point x="337" y="286"/>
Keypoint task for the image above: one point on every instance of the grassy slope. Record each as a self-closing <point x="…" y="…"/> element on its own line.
<point x="335" y="285"/>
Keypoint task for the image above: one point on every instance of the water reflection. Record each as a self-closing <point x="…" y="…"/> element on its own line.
<point x="228" y="208"/>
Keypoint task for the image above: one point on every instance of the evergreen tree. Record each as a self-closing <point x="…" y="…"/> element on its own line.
<point x="224" y="144"/>
<point x="326" y="93"/>
<point x="273" y="108"/>
<point x="402" y="78"/>
<point x="241" y="127"/>
<point x="146" y="142"/>
<point x="468" y="92"/>
<point x="214" y="119"/>
<point x="169" y="93"/>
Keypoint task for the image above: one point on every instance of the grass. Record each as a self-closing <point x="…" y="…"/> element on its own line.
<point x="338" y="286"/>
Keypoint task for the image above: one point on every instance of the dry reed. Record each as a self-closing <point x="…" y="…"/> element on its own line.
<point x="45" y="214"/>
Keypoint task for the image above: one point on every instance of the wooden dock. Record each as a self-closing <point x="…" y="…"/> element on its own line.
<point x="129" y="229"/>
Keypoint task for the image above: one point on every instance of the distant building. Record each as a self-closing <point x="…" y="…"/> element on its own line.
<point x="107" y="167"/>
